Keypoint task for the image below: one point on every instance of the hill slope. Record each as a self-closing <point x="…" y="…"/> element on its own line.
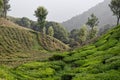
<point x="98" y="61"/>
<point x="18" y="42"/>
<point x="102" y="11"/>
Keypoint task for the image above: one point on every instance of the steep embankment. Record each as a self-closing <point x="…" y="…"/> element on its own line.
<point x="98" y="61"/>
<point x="19" y="42"/>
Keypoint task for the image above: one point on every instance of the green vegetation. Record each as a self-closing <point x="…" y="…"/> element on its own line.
<point x="83" y="34"/>
<point x="1" y="3"/>
<point x="30" y="55"/>
<point x="50" y="31"/>
<point x="20" y="45"/>
<point x="60" y="32"/>
<point x="92" y="22"/>
<point x="115" y="7"/>
<point x="41" y="14"/>
<point x="98" y="61"/>
<point x="4" y="8"/>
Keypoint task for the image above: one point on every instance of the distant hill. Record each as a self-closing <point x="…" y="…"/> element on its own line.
<point x="102" y="11"/>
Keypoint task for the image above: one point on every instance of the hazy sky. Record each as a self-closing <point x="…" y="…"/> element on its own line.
<point x="59" y="10"/>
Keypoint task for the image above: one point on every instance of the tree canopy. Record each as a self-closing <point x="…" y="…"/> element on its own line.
<point x="1" y="3"/>
<point x="92" y="21"/>
<point x="41" y="14"/>
<point x="59" y="31"/>
<point x="4" y="7"/>
<point x="83" y="33"/>
<point x="51" y="31"/>
<point x="115" y="8"/>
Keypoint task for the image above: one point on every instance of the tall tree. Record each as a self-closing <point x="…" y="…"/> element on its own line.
<point x="83" y="34"/>
<point x="92" y="21"/>
<point x="41" y="14"/>
<point x="1" y="5"/>
<point x="92" y="33"/>
<point x="6" y="7"/>
<point x="51" y="31"/>
<point x="115" y="7"/>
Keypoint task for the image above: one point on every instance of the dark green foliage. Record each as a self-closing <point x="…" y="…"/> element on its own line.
<point x="67" y="76"/>
<point x="78" y="36"/>
<point x="59" y="31"/>
<point x="57" y="65"/>
<point x="78" y="63"/>
<point x="57" y="57"/>
<point x="74" y="34"/>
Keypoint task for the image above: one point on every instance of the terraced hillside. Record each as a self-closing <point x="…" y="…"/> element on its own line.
<point x="98" y="61"/>
<point x="18" y="42"/>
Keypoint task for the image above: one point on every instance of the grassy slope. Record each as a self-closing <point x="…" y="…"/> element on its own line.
<point x="98" y="61"/>
<point x="21" y="43"/>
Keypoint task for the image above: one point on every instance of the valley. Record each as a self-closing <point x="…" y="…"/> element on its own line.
<point x="45" y="50"/>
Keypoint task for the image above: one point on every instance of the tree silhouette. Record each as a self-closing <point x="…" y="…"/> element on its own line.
<point x="115" y="8"/>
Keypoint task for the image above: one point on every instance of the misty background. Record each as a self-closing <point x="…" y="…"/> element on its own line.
<point x="59" y="10"/>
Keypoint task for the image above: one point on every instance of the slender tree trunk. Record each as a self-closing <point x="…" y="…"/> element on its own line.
<point x="92" y="28"/>
<point x="5" y="14"/>
<point x="118" y="19"/>
<point x="4" y="10"/>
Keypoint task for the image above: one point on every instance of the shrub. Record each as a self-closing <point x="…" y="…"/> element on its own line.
<point x="101" y="42"/>
<point x="67" y="76"/>
<point x="109" y="44"/>
<point x="109" y="75"/>
<point x="57" y="57"/>
<point x="78" y="63"/>
<point x="57" y="65"/>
